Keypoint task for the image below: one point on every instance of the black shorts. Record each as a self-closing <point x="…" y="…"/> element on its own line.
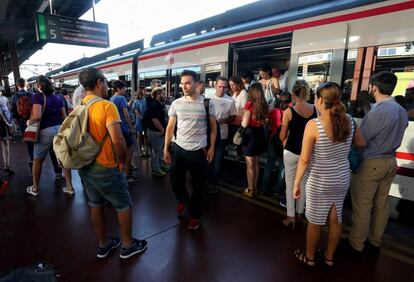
<point x="254" y="141"/>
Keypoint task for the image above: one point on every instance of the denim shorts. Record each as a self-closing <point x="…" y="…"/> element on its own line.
<point x="45" y="143"/>
<point x="104" y="185"/>
<point x="129" y="139"/>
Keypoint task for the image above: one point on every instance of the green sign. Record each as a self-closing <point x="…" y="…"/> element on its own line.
<point x="65" y="30"/>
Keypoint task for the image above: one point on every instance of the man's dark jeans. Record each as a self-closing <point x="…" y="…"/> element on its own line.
<point x="195" y="162"/>
<point x="215" y="165"/>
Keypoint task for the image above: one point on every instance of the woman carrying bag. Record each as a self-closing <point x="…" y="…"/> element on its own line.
<point x="49" y="111"/>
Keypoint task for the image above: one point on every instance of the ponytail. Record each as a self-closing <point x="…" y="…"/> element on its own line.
<point x="340" y="126"/>
<point x="330" y="93"/>
<point x="45" y="85"/>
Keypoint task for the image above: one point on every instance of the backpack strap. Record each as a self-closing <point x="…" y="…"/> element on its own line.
<point x="90" y="103"/>
<point x="207" y="108"/>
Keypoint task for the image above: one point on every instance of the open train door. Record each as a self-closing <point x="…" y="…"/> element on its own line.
<point x="253" y="54"/>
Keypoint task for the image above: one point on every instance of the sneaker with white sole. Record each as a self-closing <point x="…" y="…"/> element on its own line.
<point x="67" y="191"/>
<point x="159" y="173"/>
<point x="138" y="246"/>
<point x="113" y="243"/>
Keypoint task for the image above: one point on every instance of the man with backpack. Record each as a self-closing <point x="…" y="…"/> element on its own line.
<point x="190" y="151"/>
<point x="21" y="109"/>
<point x="104" y="180"/>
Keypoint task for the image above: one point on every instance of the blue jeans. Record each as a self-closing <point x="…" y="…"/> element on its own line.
<point x="105" y="185"/>
<point x="45" y="143"/>
<point x="272" y="156"/>
<point x="156" y="140"/>
<point x="215" y="165"/>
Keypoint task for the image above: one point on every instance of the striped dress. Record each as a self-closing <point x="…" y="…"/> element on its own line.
<point x="328" y="177"/>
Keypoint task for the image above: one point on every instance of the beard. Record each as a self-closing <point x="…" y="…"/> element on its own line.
<point x="371" y="97"/>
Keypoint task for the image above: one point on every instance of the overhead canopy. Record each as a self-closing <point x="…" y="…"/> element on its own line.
<point x="17" y="26"/>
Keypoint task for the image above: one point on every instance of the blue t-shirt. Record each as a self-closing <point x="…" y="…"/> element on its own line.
<point x="383" y="128"/>
<point x="141" y="106"/>
<point x="121" y="103"/>
<point x="52" y="115"/>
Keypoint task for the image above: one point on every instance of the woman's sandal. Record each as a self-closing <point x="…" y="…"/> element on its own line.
<point x="248" y="192"/>
<point x="30" y="191"/>
<point x="327" y="261"/>
<point x="303" y="258"/>
<point x="67" y="191"/>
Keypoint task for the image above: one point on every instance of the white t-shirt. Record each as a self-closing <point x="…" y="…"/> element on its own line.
<point x="283" y="81"/>
<point x="241" y="101"/>
<point x="224" y="108"/>
<point x="191" y="122"/>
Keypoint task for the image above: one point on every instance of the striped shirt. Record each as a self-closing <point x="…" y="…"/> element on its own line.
<point x="191" y="122"/>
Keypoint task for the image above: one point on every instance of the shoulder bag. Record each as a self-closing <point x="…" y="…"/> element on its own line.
<point x="32" y="132"/>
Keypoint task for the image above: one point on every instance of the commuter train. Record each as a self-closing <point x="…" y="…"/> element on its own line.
<point x="342" y="41"/>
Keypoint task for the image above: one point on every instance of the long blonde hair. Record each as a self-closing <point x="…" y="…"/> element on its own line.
<point x="258" y="100"/>
<point x="330" y="93"/>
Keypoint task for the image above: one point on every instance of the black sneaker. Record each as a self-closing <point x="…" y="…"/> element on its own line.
<point x="213" y="189"/>
<point x="138" y="246"/>
<point x="113" y="243"/>
<point x="132" y="179"/>
<point x="371" y="250"/>
<point x="8" y="170"/>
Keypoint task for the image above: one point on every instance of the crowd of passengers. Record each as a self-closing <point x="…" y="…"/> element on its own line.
<point x="306" y="136"/>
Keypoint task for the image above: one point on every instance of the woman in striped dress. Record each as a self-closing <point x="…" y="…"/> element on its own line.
<point x="325" y="149"/>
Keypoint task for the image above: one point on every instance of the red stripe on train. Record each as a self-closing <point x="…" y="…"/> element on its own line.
<point x="341" y="18"/>
<point x="405" y="156"/>
<point x="405" y="171"/>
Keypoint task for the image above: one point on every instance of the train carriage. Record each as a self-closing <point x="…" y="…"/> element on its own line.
<point x="342" y="41"/>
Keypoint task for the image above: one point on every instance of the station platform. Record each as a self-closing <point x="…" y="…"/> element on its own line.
<point x="50" y="238"/>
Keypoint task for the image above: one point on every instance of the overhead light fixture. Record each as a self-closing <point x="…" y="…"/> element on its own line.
<point x="43" y="6"/>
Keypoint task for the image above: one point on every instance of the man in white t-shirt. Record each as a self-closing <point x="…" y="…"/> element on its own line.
<point x="190" y="149"/>
<point x="225" y="111"/>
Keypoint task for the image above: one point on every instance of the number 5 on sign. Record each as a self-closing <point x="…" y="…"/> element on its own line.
<point x="53" y="34"/>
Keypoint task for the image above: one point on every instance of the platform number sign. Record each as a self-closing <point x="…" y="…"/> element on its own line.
<point x="65" y="30"/>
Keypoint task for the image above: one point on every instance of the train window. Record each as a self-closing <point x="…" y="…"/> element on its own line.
<point x="399" y="59"/>
<point x="146" y="78"/>
<point x="348" y="75"/>
<point x="315" y="68"/>
<point x="176" y="90"/>
<point x="212" y="72"/>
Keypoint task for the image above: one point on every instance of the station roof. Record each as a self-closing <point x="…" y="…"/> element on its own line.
<point x="17" y="20"/>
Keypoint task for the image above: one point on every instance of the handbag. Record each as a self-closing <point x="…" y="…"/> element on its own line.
<point x="354" y="157"/>
<point x="238" y="136"/>
<point x="32" y="132"/>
